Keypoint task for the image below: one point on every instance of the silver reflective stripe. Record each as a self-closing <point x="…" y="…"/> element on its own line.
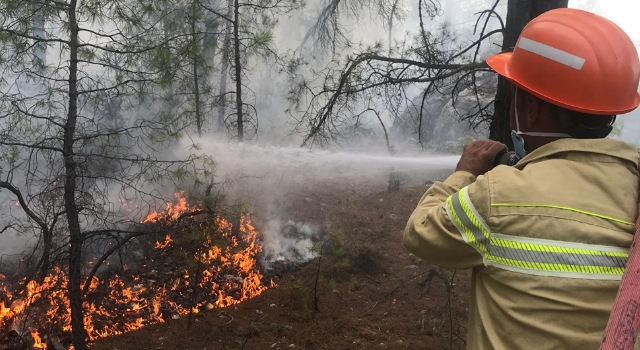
<point x="561" y="274"/>
<point x="551" y="53"/>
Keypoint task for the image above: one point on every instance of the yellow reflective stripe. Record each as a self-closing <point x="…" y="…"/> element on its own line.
<point x="471" y="213"/>
<point x="563" y="244"/>
<point x="609" y="270"/>
<point x="533" y="255"/>
<point x="547" y="248"/>
<point x="520" y="205"/>
<point x="551" y="249"/>
<point x="464" y="231"/>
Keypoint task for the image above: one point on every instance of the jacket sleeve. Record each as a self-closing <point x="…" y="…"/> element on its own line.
<point x="435" y="232"/>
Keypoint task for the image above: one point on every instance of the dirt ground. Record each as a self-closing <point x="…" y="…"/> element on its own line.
<point x="370" y="291"/>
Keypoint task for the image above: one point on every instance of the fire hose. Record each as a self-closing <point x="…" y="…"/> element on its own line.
<point x="624" y="322"/>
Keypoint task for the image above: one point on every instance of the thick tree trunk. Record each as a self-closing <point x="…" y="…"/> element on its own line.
<point x="519" y="13"/>
<point x="222" y="110"/>
<point x="238" y="68"/>
<point x="71" y="207"/>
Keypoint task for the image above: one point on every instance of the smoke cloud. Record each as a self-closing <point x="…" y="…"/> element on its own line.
<point x="288" y="241"/>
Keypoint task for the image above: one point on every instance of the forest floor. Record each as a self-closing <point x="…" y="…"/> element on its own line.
<point x="370" y="292"/>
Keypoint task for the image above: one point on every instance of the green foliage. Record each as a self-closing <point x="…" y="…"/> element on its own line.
<point x="337" y="260"/>
<point x="189" y="242"/>
<point x="261" y="40"/>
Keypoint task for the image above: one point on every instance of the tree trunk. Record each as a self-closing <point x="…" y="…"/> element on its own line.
<point x="196" y="86"/>
<point x="71" y="207"/>
<point x="210" y="45"/>
<point x="393" y="12"/>
<point x="210" y="37"/>
<point x="45" y="262"/>
<point x="238" y="67"/>
<point x="40" y="47"/>
<point x="222" y="110"/>
<point x="168" y="96"/>
<point x="519" y="13"/>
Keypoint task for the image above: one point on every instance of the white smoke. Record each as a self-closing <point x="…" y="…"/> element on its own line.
<point x="288" y="241"/>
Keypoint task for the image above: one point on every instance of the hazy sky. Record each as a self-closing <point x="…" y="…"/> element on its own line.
<point x="622" y="12"/>
<point x="625" y="14"/>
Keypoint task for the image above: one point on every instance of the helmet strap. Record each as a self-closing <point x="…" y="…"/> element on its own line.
<point x="516" y="135"/>
<point x="533" y="133"/>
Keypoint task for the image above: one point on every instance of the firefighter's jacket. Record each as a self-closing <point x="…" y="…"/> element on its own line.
<point x="547" y="240"/>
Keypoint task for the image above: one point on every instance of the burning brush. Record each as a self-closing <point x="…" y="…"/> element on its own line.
<point x="206" y="264"/>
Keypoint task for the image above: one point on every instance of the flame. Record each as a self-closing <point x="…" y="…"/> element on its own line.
<point x="165" y="244"/>
<point x="121" y="304"/>
<point x="172" y="211"/>
<point x="37" y="341"/>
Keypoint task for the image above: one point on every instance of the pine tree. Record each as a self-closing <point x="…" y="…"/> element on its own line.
<point x="69" y="68"/>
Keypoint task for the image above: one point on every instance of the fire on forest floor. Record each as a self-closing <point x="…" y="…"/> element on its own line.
<point x="224" y="271"/>
<point x="372" y="294"/>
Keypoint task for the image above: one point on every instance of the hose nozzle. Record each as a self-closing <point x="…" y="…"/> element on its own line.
<point x="508" y="158"/>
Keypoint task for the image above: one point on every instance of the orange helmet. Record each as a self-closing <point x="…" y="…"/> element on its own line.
<point x="576" y="60"/>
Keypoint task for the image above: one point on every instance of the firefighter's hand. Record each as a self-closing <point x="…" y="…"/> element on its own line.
<point x="478" y="156"/>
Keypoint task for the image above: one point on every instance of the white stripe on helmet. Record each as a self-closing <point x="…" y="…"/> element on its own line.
<point x="551" y="53"/>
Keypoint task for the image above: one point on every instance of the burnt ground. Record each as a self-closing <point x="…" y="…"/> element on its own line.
<point x="371" y="293"/>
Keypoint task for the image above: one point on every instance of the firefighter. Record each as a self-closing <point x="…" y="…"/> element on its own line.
<point x="547" y="239"/>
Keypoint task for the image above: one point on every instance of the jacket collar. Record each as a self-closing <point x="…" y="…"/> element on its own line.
<point x="614" y="148"/>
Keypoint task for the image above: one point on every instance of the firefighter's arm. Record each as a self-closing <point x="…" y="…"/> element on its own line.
<point x="431" y="234"/>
